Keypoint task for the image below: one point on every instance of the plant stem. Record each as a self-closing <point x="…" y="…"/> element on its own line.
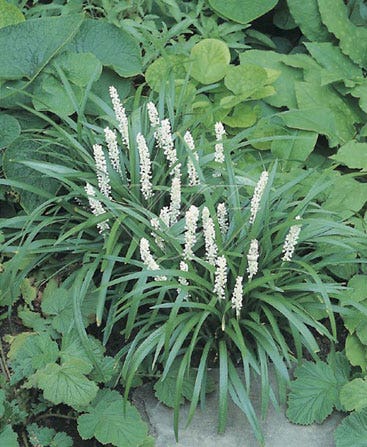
<point x="54" y="415"/>
<point x="25" y="440"/>
<point x="4" y="365"/>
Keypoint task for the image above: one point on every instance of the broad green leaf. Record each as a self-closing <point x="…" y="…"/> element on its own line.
<point x="8" y="437"/>
<point x="296" y="148"/>
<point x="356" y="352"/>
<point x="79" y="68"/>
<point x="47" y="437"/>
<point x="57" y="303"/>
<point x="113" y="47"/>
<point x="243" y="115"/>
<point x="285" y="84"/>
<point x="112" y="421"/>
<point x="360" y="92"/>
<point x="245" y="79"/>
<point x="50" y="95"/>
<point x="358" y="288"/>
<point x="313" y="394"/>
<point x="353" y="395"/>
<point x="36" y="351"/>
<point x="347" y="196"/>
<point x="9" y="14"/>
<point x="29" y="292"/>
<point x="209" y="61"/>
<point x="334" y="14"/>
<point x="66" y="383"/>
<point x="282" y="17"/>
<point x="337" y="66"/>
<point x="34" y="320"/>
<point x="159" y="72"/>
<point x="27" y="47"/>
<point x="9" y="129"/>
<point x="352" y="431"/>
<point x="242" y="11"/>
<point x="25" y="150"/>
<point x="311" y="95"/>
<point x="307" y="17"/>
<point x="165" y="390"/>
<point x="353" y="155"/>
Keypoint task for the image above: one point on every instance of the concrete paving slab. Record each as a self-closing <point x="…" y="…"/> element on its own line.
<point x="202" y="431"/>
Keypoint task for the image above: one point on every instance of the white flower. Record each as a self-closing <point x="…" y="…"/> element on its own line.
<point x="222" y="215"/>
<point x="183" y="281"/>
<point x="256" y="198"/>
<point x="153" y="115"/>
<point x="252" y="257"/>
<point x="148" y="259"/>
<point x="102" y="173"/>
<point x="121" y="117"/>
<point x="154" y="222"/>
<point x="211" y="248"/>
<point x="221" y="277"/>
<point x="113" y="150"/>
<point x="165" y="142"/>
<point x="237" y="296"/>
<point x="193" y="176"/>
<point x="145" y="167"/>
<point x="219" y="131"/>
<point x="175" y="205"/>
<point x="291" y="241"/>
<point x="164" y="215"/>
<point x="191" y="219"/>
<point x="96" y="207"/>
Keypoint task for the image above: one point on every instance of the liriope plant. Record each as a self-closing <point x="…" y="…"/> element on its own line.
<point x="217" y="274"/>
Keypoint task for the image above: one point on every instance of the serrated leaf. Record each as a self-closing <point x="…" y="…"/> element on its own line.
<point x="47" y="437"/>
<point x="110" y="421"/>
<point x="353" y="154"/>
<point x="8" y="437"/>
<point x="353" y="395"/>
<point x="36" y="351"/>
<point x="34" y="321"/>
<point x="334" y="14"/>
<point x="57" y="303"/>
<point x="307" y="17"/>
<point x="66" y="383"/>
<point x="313" y="394"/>
<point x="209" y="60"/>
<point x="355" y="351"/>
<point x="337" y="66"/>
<point x="352" y="432"/>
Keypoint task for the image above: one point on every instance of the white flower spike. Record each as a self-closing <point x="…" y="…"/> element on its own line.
<point x="252" y="257"/>
<point x="291" y="241"/>
<point x="256" y="198"/>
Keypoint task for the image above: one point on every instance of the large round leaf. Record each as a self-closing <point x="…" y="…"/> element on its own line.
<point x="112" y="422"/>
<point x="210" y="59"/>
<point x="242" y="11"/>
<point x="9" y="14"/>
<point x="27" y="47"/>
<point x="352" y="432"/>
<point x="113" y="46"/>
<point x="9" y="129"/>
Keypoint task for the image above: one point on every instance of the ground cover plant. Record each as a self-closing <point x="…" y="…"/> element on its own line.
<point x="188" y="178"/>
